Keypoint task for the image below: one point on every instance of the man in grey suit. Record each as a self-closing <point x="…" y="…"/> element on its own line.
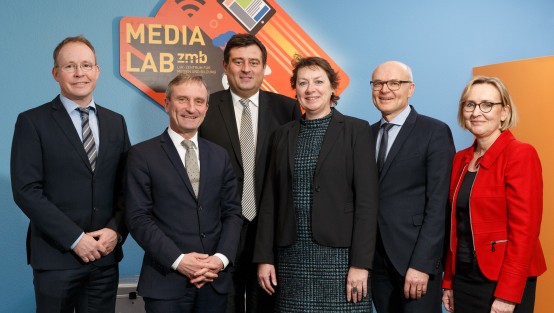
<point x="66" y="168"/>
<point x="244" y="61"/>
<point x="183" y="209"/>
<point x="414" y="156"/>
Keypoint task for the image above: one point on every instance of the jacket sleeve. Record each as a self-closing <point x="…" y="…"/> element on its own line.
<point x="27" y="175"/>
<point x="366" y="192"/>
<point x="524" y="201"/>
<point x="428" y="250"/>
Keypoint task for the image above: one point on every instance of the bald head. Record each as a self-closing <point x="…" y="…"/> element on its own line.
<point x="396" y="66"/>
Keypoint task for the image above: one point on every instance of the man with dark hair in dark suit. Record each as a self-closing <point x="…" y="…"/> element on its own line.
<point x="414" y="156"/>
<point x="227" y="122"/>
<point x="183" y="209"/>
<point x="66" y="168"/>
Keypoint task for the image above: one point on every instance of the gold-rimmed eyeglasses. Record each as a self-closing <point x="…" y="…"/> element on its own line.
<point x="72" y="67"/>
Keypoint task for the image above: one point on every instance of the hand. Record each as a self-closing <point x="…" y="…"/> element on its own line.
<point x="208" y="274"/>
<point x="448" y="299"/>
<point x="502" y="306"/>
<point x="194" y="265"/>
<point x="356" y="284"/>
<point x="88" y="249"/>
<point x="267" y="278"/>
<point x="106" y="237"/>
<point x="415" y="284"/>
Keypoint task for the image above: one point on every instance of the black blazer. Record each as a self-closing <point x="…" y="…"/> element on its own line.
<point x="166" y="219"/>
<point x="345" y="199"/>
<point x="54" y="185"/>
<point x="413" y="190"/>
<point x="220" y="127"/>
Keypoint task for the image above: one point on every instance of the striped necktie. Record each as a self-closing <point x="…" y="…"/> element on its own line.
<point x="88" y="138"/>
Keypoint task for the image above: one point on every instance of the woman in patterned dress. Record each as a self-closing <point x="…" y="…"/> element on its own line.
<point x="317" y="221"/>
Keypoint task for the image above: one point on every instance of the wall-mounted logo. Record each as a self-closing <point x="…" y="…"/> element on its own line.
<point x="189" y="6"/>
<point x="188" y="36"/>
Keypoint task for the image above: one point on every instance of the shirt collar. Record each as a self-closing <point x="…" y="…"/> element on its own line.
<point x="177" y="139"/>
<point x="254" y="98"/>
<point x="70" y="105"/>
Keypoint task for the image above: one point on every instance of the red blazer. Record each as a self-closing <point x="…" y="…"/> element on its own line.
<point x="505" y="212"/>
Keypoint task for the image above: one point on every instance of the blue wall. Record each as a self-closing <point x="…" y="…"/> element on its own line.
<point x="441" y="40"/>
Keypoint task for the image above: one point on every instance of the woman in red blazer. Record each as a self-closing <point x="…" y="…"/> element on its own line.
<point x="494" y="254"/>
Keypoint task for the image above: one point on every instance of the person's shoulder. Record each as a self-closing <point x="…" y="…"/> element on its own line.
<point x="217" y="96"/>
<point x="148" y="143"/>
<point x="351" y="119"/>
<point x="39" y="111"/>
<point x="430" y="120"/>
<point x="107" y="112"/>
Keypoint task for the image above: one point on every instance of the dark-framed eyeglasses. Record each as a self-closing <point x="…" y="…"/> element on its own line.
<point x="393" y="84"/>
<point x="485" y="106"/>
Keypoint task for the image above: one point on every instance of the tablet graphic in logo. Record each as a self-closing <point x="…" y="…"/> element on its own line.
<point x="188" y="36"/>
<point x="251" y="14"/>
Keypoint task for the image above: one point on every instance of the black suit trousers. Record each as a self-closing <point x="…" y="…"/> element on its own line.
<point x="89" y="288"/>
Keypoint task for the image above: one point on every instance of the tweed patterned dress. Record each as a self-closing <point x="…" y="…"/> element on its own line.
<point x="311" y="277"/>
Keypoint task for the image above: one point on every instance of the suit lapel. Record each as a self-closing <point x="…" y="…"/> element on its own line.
<point x="227" y="112"/>
<point x="103" y="131"/>
<point x="403" y="135"/>
<point x="264" y="117"/>
<point x="173" y="156"/>
<point x="59" y="114"/>
<point x="335" y="127"/>
<point x="203" y="156"/>
<point x="292" y="140"/>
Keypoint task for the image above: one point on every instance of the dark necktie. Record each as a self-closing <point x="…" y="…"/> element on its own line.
<point x="191" y="165"/>
<point x="248" y="152"/>
<point x="88" y="138"/>
<point x="385" y="127"/>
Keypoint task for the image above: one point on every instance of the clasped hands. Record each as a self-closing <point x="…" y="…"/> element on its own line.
<point x="95" y="245"/>
<point x="200" y="268"/>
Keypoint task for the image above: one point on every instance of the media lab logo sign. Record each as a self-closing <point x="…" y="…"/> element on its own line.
<point x="188" y="36"/>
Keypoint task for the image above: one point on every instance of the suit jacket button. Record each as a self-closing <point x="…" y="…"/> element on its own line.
<point x="317" y="189"/>
<point x="203" y="235"/>
<point x="94" y="209"/>
<point x="199" y="208"/>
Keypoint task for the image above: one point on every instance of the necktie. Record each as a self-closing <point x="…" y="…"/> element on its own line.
<point x="88" y="138"/>
<point x="248" y="152"/>
<point x="191" y="165"/>
<point x="385" y="127"/>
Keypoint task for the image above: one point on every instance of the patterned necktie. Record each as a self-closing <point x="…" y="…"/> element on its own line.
<point x="248" y="152"/>
<point x="88" y="138"/>
<point x="385" y="127"/>
<point x="191" y="165"/>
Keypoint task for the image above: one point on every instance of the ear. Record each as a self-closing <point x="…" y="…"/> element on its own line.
<point x="411" y="90"/>
<point x="55" y="73"/>
<point x="166" y="105"/>
<point x="505" y="113"/>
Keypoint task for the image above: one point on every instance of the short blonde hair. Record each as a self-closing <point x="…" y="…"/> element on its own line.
<point x="505" y="97"/>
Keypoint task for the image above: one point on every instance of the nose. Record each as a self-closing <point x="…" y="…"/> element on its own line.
<point x="79" y="71"/>
<point x="309" y="87"/>
<point x="383" y="88"/>
<point x="245" y="67"/>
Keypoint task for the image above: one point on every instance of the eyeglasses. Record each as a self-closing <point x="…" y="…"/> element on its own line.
<point x="392" y="84"/>
<point x="485" y="106"/>
<point x="72" y="67"/>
